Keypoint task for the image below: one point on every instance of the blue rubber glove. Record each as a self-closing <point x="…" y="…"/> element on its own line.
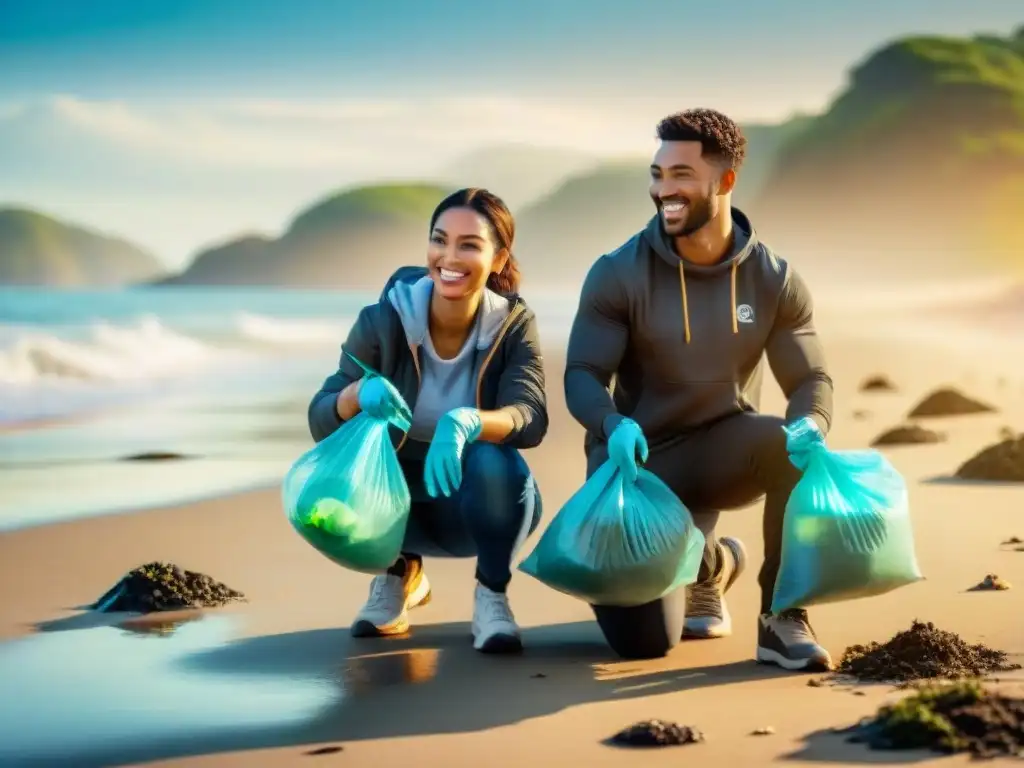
<point x="379" y="399"/>
<point x="442" y="471"/>
<point x="626" y="443"/>
<point x="802" y="437"/>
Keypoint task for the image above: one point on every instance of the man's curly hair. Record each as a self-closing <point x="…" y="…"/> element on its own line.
<point x="720" y="138"/>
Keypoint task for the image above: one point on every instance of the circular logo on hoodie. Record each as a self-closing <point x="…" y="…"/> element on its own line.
<point x="745" y="313"/>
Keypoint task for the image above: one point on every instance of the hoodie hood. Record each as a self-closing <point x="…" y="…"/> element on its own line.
<point x="744" y="243"/>
<point x="409" y="291"/>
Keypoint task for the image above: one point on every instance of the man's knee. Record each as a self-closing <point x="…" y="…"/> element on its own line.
<point x="647" y="631"/>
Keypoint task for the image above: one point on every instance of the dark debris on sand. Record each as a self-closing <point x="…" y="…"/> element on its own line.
<point x="877" y="383"/>
<point x="1012" y="540"/>
<point x="1002" y="462"/>
<point x="948" y="718"/>
<point x="991" y="583"/>
<point x="949" y="402"/>
<point x="909" y="434"/>
<point x="165" y="587"/>
<point x="922" y="652"/>
<point x="657" y="733"/>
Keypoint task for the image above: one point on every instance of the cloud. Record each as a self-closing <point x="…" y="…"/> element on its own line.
<point x="347" y="135"/>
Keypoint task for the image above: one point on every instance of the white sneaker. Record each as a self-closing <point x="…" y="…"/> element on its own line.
<point x="494" y="626"/>
<point x="392" y="596"/>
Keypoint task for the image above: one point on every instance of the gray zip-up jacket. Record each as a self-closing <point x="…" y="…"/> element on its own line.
<point x="507" y="368"/>
<point x="675" y="345"/>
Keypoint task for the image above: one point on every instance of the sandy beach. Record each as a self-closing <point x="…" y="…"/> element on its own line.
<point x="428" y="699"/>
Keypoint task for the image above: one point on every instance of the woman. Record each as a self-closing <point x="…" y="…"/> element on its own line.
<point x="461" y="347"/>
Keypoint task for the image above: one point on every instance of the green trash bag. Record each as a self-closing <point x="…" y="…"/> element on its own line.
<point x="347" y="495"/>
<point x="617" y="544"/>
<point x="847" y="532"/>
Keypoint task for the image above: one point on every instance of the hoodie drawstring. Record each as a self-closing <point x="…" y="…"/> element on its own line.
<point x="732" y="296"/>
<point x="686" y="308"/>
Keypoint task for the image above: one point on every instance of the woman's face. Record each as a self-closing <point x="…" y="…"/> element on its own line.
<point x="462" y="254"/>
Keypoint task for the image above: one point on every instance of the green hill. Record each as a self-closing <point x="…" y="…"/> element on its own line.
<point x="36" y="249"/>
<point x="353" y="239"/>
<point x="923" y="151"/>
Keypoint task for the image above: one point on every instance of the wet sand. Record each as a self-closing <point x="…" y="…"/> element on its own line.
<point x="268" y="681"/>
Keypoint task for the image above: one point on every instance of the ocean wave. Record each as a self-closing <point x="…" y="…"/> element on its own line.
<point x="290" y="331"/>
<point x="140" y="351"/>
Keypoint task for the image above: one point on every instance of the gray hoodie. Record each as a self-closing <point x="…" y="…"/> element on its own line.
<point x="684" y="343"/>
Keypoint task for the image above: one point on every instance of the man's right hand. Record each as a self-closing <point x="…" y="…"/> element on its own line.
<point x="379" y="399"/>
<point x="626" y="444"/>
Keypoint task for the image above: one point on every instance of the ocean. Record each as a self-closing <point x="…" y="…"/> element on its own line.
<point x="222" y="377"/>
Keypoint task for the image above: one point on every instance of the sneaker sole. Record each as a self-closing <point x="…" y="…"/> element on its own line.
<point x="419" y="597"/>
<point x="774" y="658"/>
<point x="724" y="628"/>
<point x="500" y="644"/>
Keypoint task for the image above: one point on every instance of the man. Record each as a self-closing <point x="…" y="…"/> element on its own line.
<point x="680" y="317"/>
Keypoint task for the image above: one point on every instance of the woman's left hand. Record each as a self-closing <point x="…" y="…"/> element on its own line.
<point x="443" y="468"/>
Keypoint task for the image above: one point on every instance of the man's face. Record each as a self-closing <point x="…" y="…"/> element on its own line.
<point x="684" y="187"/>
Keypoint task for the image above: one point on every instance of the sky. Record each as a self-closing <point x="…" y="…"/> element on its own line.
<point x="181" y="123"/>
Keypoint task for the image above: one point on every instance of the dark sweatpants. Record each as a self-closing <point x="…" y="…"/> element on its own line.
<point x="490" y="516"/>
<point x="725" y="465"/>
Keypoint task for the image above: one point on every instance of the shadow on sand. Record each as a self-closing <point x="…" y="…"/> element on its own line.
<point x="829" y="746"/>
<point x="433" y="683"/>
<point x="965" y="483"/>
<point x="428" y="683"/>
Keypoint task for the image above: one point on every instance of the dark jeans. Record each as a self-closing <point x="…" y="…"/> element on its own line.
<point x="725" y="465"/>
<point x="489" y="516"/>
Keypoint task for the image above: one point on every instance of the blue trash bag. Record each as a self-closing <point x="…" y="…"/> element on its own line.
<point x="347" y="495"/>
<point x="847" y="532"/>
<point x="617" y="544"/>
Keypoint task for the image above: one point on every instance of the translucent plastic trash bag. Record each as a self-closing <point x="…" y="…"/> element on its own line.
<point x="616" y="544"/>
<point x="847" y="532"/>
<point x="347" y="495"/>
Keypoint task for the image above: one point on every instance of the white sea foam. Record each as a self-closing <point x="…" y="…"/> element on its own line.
<point x="141" y="351"/>
<point x="297" y="332"/>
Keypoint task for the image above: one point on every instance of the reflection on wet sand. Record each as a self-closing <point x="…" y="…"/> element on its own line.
<point x="158" y="625"/>
<point x="113" y="695"/>
<point x="409" y="667"/>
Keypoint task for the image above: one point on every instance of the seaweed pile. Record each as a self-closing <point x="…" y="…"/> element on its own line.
<point x="877" y="383"/>
<point x="165" y="587"/>
<point x="948" y="718"/>
<point x="657" y="733"/>
<point x="948" y="402"/>
<point x="1002" y="462"/>
<point x="922" y="652"/>
<point x="910" y="434"/>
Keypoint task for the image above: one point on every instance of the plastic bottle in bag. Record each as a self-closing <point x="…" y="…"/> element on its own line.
<point x="347" y="495"/>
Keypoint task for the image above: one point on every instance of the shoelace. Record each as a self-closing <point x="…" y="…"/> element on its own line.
<point x="792" y="628"/>
<point x="496" y="608"/>
<point x="384" y="593"/>
<point x="705" y="600"/>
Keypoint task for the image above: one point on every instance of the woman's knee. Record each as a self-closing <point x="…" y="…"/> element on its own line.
<point x="499" y="489"/>
<point x="497" y="469"/>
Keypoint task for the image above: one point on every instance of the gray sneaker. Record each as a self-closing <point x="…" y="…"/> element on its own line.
<point x="787" y="640"/>
<point x="707" y="615"/>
